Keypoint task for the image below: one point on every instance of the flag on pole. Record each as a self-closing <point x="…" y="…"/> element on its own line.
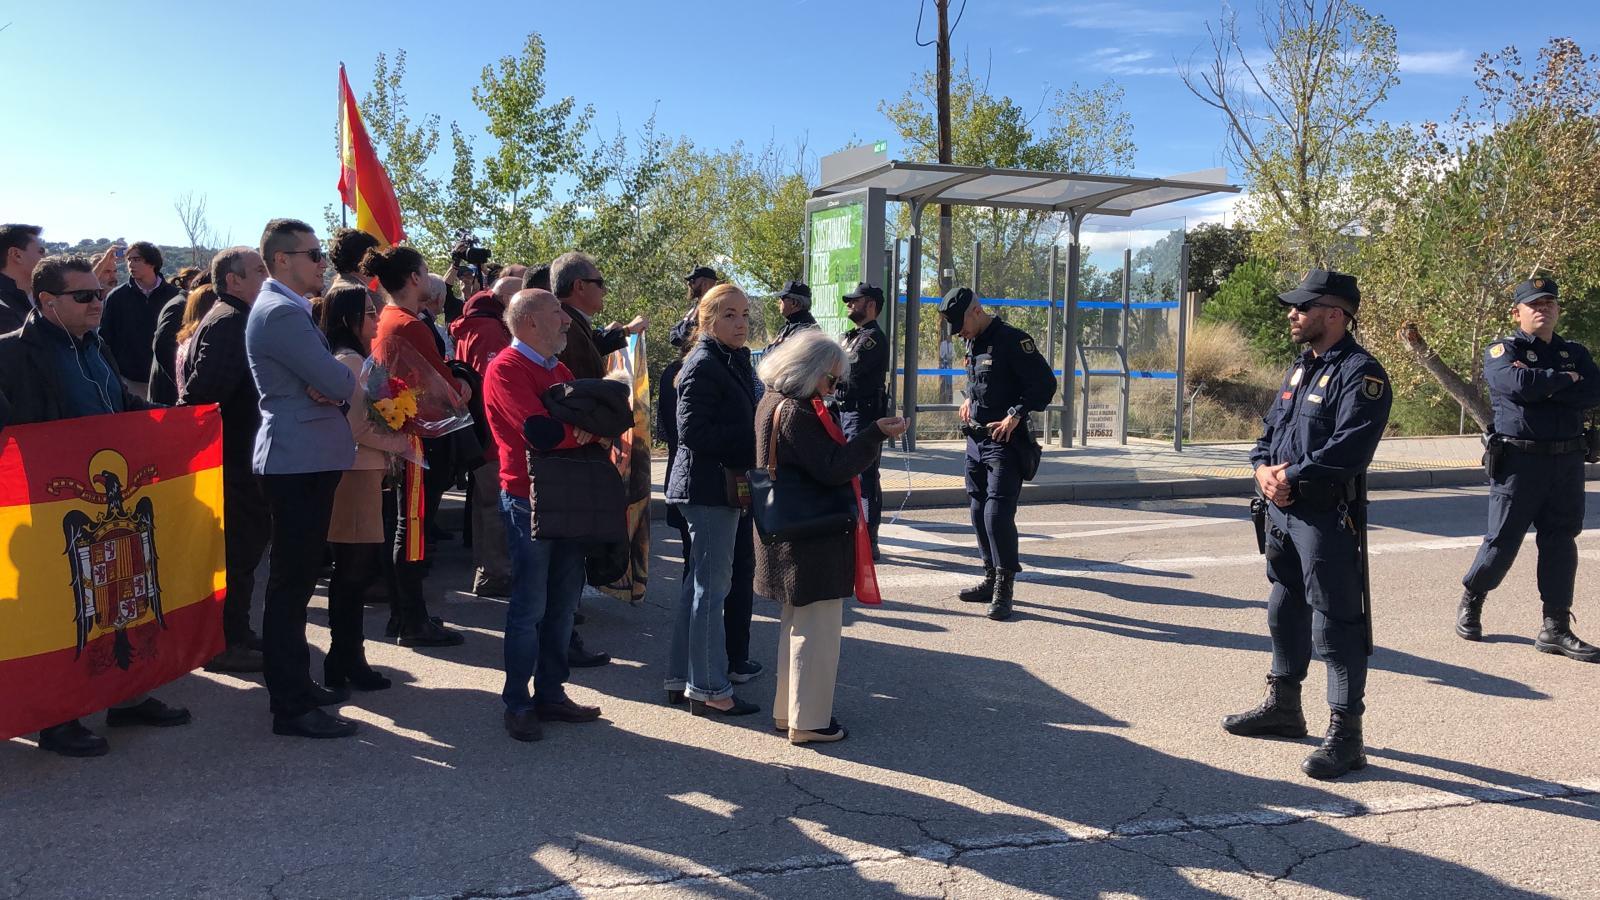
<point x="363" y="184"/>
<point x="113" y="580"/>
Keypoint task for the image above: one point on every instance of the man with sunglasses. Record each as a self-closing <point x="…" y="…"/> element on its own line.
<point x="129" y="325"/>
<point x="863" y="395"/>
<point x="1320" y="435"/>
<point x="57" y="367"/>
<point x="1541" y="386"/>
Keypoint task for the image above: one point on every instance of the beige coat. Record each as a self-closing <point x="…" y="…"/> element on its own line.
<point x="372" y="444"/>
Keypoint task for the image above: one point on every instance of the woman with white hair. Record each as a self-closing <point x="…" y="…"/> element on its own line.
<point x="810" y="577"/>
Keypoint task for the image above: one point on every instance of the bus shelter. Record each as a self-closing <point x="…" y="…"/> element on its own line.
<point x="845" y="236"/>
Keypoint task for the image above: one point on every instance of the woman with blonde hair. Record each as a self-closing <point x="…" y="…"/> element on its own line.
<point x="797" y="435"/>
<point x="200" y="301"/>
<point x="716" y="447"/>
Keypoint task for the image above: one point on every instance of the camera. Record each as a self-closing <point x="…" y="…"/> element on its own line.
<point x="468" y="251"/>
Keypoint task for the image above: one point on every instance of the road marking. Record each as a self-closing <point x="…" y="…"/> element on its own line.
<point x="952" y="852"/>
<point x="914" y="535"/>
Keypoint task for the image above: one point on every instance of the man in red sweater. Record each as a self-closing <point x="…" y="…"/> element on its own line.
<point x="546" y="574"/>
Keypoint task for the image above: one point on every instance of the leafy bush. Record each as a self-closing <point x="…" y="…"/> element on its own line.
<point x="1248" y="299"/>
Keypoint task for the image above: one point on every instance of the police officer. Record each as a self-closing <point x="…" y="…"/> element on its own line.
<point x="794" y="302"/>
<point x="699" y="280"/>
<point x="1007" y="378"/>
<point x="863" y="395"/>
<point x="1319" y="438"/>
<point x="1540" y="385"/>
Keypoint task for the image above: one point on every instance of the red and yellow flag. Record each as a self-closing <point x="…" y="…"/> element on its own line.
<point x="113" y="577"/>
<point x="363" y="183"/>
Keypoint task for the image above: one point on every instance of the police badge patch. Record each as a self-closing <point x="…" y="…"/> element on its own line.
<point x="1027" y="346"/>
<point x="1532" y="356"/>
<point x="1371" y="387"/>
<point x="1497" y="351"/>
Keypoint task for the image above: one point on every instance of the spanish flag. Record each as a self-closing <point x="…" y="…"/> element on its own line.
<point x="113" y="575"/>
<point x="363" y="184"/>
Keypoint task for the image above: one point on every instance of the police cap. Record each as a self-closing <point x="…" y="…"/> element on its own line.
<point x="701" y="272"/>
<point x="1536" y="289"/>
<point x="1321" y="283"/>
<point x="863" y="289"/>
<point x="796" y="290"/>
<point x="954" y="305"/>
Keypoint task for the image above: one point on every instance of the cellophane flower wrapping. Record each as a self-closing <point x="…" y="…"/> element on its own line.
<point x="406" y="394"/>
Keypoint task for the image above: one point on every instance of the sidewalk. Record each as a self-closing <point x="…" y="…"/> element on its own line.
<point x="933" y="475"/>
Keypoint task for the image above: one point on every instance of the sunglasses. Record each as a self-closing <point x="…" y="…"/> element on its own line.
<point x="314" y="254"/>
<point x="1309" y="305"/>
<point x="833" y="380"/>
<point x="84" y="297"/>
<point x="597" y="282"/>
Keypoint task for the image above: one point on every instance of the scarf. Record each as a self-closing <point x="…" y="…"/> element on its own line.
<point x="866" y="574"/>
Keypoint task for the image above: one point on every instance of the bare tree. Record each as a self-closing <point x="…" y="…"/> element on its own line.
<point x="192" y="213"/>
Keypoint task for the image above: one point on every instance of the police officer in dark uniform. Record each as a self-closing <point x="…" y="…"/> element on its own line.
<point x="699" y="280"/>
<point x="863" y="395"/>
<point x="794" y="302"/>
<point x="1540" y="385"/>
<point x="1007" y="378"/>
<point x="1319" y="437"/>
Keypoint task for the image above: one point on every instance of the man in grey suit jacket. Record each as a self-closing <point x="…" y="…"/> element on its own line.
<point x="302" y="448"/>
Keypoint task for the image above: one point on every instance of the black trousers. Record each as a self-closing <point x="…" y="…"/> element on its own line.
<point x="1546" y="493"/>
<point x="994" y="482"/>
<point x="406" y="600"/>
<point x="301" y="506"/>
<point x="355" y="568"/>
<point x="1314" y="569"/>
<point x="852" y="423"/>
<point x="249" y="528"/>
<point x="739" y="607"/>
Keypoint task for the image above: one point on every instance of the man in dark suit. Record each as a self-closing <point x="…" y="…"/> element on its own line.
<point x="582" y="292"/>
<point x="218" y="372"/>
<point x="20" y="251"/>
<point x="302" y="448"/>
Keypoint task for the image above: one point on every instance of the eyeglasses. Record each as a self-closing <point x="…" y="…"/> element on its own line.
<point x="372" y="312"/>
<point x="314" y="254"/>
<point x="833" y="379"/>
<point x="597" y="282"/>
<point x="1309" y="305"/>
<point x="84" y="297"/>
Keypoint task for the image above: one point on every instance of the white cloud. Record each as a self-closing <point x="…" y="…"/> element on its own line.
<point x="1117" y="61"/>
<point x="1111" y="16"/>
<point x="1436" y="62"/>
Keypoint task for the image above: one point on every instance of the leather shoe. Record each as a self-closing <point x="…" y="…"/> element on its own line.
<point x="150" y="712"/>
<point x="321" y="696"/>
<point x="565" y="710"/>
<point x="580" y="658"/>
<point x="72" y="739"/>
<point x="676" y="698"/>
<point x="392" y="627"/>
<point x="313" y="724"/>
<point x="429" y="634"/>
<point x="706" y="710"/>
<point x="524" y="726"/>
<point x="492" y="588"/>
<point x="834" y="732"/>
<point x="237" y="658"/>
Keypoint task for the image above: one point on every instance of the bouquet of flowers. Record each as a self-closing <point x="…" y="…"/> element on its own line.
<point x="407" y="395"/>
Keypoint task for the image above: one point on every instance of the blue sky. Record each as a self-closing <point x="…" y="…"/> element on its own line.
<point x="115" y="109"/>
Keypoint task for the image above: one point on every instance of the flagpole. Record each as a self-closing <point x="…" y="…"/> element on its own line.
<point x="343" y="210"/>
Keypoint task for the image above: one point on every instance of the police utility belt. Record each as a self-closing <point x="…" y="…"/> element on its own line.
<point x="1314" y="494"/>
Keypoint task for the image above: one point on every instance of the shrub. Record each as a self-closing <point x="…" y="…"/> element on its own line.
<point x="1248" y="299"/>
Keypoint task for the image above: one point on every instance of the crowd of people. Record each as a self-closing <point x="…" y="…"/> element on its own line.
<point x="313" y="484"/>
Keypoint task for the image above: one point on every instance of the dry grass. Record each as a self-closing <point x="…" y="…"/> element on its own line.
<point x="1216" y="353"/>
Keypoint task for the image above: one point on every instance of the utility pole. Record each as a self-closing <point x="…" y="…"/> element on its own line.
<point x="946" y="262"/>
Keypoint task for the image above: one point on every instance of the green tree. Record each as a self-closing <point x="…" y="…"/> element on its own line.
<point x="1248" y="299"/>
<point x="1214" y="250"/>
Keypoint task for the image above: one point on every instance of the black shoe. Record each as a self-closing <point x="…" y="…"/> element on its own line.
<point x="353" y="670"/>
<point x="1279" y="714"/>
<point x="1469" y="616"/>
<point x="313" y="724"/>
<point x="1000" y="605"/>
<point x="739" y="708"/>
<point x="491" y="588"/>
<point x="1557" y="637"/>
<point x="392" y="627"/>
<point x="524" y="726"/>
<point x="676" y="698"/>
<point x="565" y="711"/>
<point x="579" y="658"/>
<point x="151" y="712"/>
<point x="72" y="739"/>
<point x="1341" y="750"/>
<point x="328" y="696"/>
<point x="982" y="592"/>
<point x="429" y="634"/>
<point x="741" y="673"/>
<point x="254" y="642"/>
<point x="238" y="658"/>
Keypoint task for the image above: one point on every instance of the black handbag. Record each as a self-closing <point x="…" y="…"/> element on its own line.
<point x="797" y="507"/>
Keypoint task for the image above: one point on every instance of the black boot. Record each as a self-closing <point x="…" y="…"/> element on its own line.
<point x="982" y="592"/>
<point x="1341" y="750"/>
<point x="349" y="667"/>
<point x="1000" y="606"/>
<point x="1469" y="616"/>
<point x="1279" y="714"/>
<point x="1557" y="637"/>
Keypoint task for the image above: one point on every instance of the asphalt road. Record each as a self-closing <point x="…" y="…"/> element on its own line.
<point x="1074" y="751"/>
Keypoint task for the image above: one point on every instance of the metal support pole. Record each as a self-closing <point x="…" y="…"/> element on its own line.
<point x="1069" y="338"/>
<point x="908" y="384"/>
<point x="891" y="319"/>
<point x="1050" y="327"/>
<point x="977" y="267"/>
<point x="1122" y="342"/>
<point x="1183" y="346"/>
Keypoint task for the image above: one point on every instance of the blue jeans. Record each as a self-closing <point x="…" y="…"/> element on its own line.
<point x="546" y="581"/>
<point x="699" y="661"/>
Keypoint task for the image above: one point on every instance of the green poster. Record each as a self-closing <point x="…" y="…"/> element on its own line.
<point x="836" y="253"/>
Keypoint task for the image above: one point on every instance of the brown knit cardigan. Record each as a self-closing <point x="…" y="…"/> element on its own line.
<point x="801" y="572"/>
